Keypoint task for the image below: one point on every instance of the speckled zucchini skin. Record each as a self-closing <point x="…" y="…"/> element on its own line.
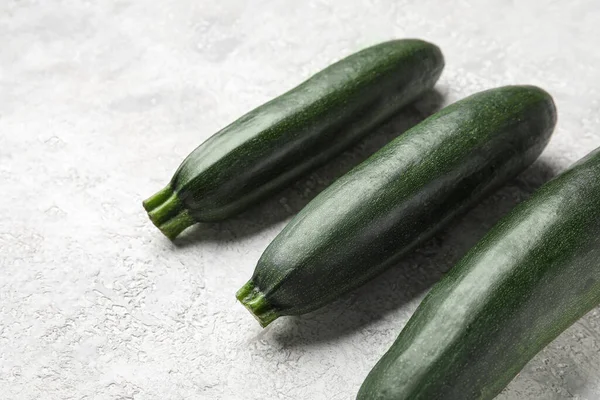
<point x="532" y="276"/>
<point x="279" y="141"/>
<point x="398" y="198"/>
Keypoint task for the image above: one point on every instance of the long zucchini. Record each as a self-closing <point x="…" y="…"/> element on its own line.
<point x="277" y="142"/>
<point x="398" y="198"/>
<point x="532" y="276"/>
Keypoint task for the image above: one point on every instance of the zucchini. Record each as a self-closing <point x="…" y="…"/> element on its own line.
<point x="279" y="141"/>
<point x="533" y="275"/>
<point x="399" y="197"/>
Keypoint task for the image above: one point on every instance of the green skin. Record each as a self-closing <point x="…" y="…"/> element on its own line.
<point x="276" y="143"/>
<point x="398" y="198"/>
<point x="532" y="276"/>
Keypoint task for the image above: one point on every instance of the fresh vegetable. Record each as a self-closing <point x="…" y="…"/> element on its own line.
<point x="277" y="142"/>
<point x="532" y="276"/>
<point x="399" y="197"/>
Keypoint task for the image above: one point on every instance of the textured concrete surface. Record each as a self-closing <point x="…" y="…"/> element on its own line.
<point x="100" y="101"/>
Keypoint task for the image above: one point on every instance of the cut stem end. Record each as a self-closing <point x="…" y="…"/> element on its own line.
<point x="254" y="300"/>
<point x="168" y="213"/>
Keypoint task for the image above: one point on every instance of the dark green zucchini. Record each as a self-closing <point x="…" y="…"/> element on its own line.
<point x="532" y="276"/>
<point x="398" y="198"/>
<point x="277" y="142"/>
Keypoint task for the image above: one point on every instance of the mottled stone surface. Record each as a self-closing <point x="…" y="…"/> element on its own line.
<point x="100" y="101"/>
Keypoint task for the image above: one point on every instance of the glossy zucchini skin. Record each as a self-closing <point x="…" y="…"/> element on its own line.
<point x="399" y="197"/>
<point x="532" y="276"/>
<point x="274" y="144"/>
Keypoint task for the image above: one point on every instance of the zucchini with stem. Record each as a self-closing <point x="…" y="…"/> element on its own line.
<point x="398" y="198"/>
<point x="276" y="143"/>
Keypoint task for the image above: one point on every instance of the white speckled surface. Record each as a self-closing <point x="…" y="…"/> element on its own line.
<point x="100" y="101"/>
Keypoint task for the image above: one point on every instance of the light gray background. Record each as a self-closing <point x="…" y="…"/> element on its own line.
<point x="101" y="100"/>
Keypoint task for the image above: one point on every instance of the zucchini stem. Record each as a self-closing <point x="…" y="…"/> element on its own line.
<point x="168" y="213"/>
<point x="254" y="300"/>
